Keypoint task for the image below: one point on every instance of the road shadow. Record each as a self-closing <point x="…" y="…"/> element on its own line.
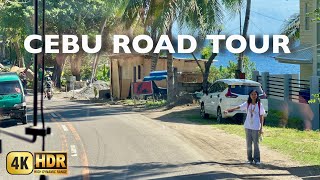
<point x="82" y="112"/>
<point x="156" y="170"/>
<point x="190" y="115"/>
<point x="7" y="123"/>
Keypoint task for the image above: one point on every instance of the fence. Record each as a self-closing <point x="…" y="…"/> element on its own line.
<point x="290" y="94"/>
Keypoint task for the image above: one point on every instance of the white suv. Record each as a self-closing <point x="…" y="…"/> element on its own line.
<point x="227" y="93"/>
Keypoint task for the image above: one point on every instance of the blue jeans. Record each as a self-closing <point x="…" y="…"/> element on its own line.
<point x="253" y="136"/>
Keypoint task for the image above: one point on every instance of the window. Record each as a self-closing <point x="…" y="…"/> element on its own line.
<point x="134" y="74"/>
<point x="221" y="86"/>
<point x="212" y="88"/>
<point x="139" y="72"/>
<point x="307" y="18"/>
<point x="244" y="90"/>
<point x="218" y="87"/>
<point x="10" y="87"/>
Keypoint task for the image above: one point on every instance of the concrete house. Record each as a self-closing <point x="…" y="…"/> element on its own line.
<point x="306" y="54"/>
<point x="128" y="68"/>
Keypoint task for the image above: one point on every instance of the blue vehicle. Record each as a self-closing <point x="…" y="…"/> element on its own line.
<point x="158" y="92"/>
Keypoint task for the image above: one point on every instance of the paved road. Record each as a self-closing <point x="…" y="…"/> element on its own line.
<point x="106" y="143"/>
<point x="114" y="143"/>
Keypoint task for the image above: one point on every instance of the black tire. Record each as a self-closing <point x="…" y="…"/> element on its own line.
<point x="24" y="119"/>
<point x="203" y="114"/>
<point x="220" y="119"/>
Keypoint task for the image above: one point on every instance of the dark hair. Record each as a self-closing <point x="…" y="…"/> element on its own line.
<point x="249" y="98"/>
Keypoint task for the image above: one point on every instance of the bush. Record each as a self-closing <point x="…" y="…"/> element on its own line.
<point x="103" y="73"/>
<point x="279" y="119"/>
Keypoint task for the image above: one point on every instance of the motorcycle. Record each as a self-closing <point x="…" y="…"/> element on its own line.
<point x="49" y="93"/>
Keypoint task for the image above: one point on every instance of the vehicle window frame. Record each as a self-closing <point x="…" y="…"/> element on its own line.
<point x="222" y="86"/>
<point x="15" y="83"/>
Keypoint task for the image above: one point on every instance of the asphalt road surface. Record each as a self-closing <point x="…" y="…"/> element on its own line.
<point x="115" y="143"/>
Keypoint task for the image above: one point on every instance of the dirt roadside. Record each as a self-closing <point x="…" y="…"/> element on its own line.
<point x="229" y="150"/>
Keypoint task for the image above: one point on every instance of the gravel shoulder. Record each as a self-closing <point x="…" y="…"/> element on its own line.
<point x="229" y="150"/>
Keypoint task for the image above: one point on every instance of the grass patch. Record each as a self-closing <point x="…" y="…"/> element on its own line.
<point x="280" y="119"/>
<point x="303" y="146"/>
<point x="155" y="104"/>
<point x="143" y="103"/>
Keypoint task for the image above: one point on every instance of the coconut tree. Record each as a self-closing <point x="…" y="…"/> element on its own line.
<point x="291" y="27"/>
<point x="199" y="16"/>
<point x="244" y="34"/>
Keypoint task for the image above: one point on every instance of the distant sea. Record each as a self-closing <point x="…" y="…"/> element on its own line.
<point x="264" y="62"/>
<point x="267" y="17"/>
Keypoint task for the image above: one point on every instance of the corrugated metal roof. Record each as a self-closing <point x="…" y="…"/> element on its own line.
<point x="302" y="54"/>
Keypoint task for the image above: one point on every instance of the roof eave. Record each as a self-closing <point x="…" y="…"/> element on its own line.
<point x="293" y="61"/>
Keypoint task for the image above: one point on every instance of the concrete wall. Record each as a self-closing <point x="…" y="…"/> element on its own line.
<point x="189" y="87"/>
<point x="305" y="71"/>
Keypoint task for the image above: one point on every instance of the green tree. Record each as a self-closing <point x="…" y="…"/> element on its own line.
<point x="80" y="18"/>
<point x="15" y="25"/>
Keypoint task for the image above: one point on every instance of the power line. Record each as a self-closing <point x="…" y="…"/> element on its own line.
<point x="256" y="26"/>
<point x="268" y="16"/>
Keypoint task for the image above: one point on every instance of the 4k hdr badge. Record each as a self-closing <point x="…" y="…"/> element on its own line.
<point x="19" y="162"/>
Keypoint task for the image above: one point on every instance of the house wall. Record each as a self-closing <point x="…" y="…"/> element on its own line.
<point x="182" y="65"/>
<point x="305" y="71"/>
<point x="122" y="71"/>
<point x="306" y="35"/>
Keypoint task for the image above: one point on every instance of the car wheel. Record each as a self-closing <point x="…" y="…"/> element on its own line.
<point x="24" y="119"/>
<point x="203" y="114"/>
<point x="220" y="119"/>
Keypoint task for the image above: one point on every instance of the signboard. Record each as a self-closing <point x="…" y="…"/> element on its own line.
<point x="142" y="88"/>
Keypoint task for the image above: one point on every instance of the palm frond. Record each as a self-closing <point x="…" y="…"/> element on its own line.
<point x="291" y="27"/>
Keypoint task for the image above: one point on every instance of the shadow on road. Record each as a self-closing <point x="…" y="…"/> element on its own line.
<point x="7" y="123"/>
<point x="79" y="111"/>
<point x="170" y="171"/>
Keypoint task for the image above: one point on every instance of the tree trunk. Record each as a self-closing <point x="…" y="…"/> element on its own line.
<point x="97" y="56"/>
<point x="207" y="71"/>
<point x="20" y="57"/>
<point x="170" y="85"/>
<point x="75" y="63"/>
<point x="58" y="67"/>
<point x="154" y="56"/>
<point x="244" y="34"/>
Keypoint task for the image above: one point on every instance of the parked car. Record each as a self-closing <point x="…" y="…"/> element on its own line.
<point x="227" y="93"/>
<point x="12" y="97"/>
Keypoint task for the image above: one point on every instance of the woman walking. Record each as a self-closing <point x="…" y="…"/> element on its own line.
<point x="253" y="124"/>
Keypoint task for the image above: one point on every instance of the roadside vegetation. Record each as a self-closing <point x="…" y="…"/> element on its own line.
<point x="148" y="104"/>
<point x="303" y="146"/>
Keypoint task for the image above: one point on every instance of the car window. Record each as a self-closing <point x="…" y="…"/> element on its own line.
<point x="221" y="86"/>
<point x="10" y="87"/>
<point x="244" y="89"/>
<point x="212" y="88"/>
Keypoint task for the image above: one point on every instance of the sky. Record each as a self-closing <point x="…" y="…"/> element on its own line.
<point x="267" y="17"/>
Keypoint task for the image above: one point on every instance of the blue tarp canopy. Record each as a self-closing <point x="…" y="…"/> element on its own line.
<point x="158" y="73"/>
<point x="155" y="78"/>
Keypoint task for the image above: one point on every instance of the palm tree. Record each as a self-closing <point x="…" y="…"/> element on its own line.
<point x="199" y="16"/>
<point x="244" y="34"/>
<point x="291" y="27"/>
